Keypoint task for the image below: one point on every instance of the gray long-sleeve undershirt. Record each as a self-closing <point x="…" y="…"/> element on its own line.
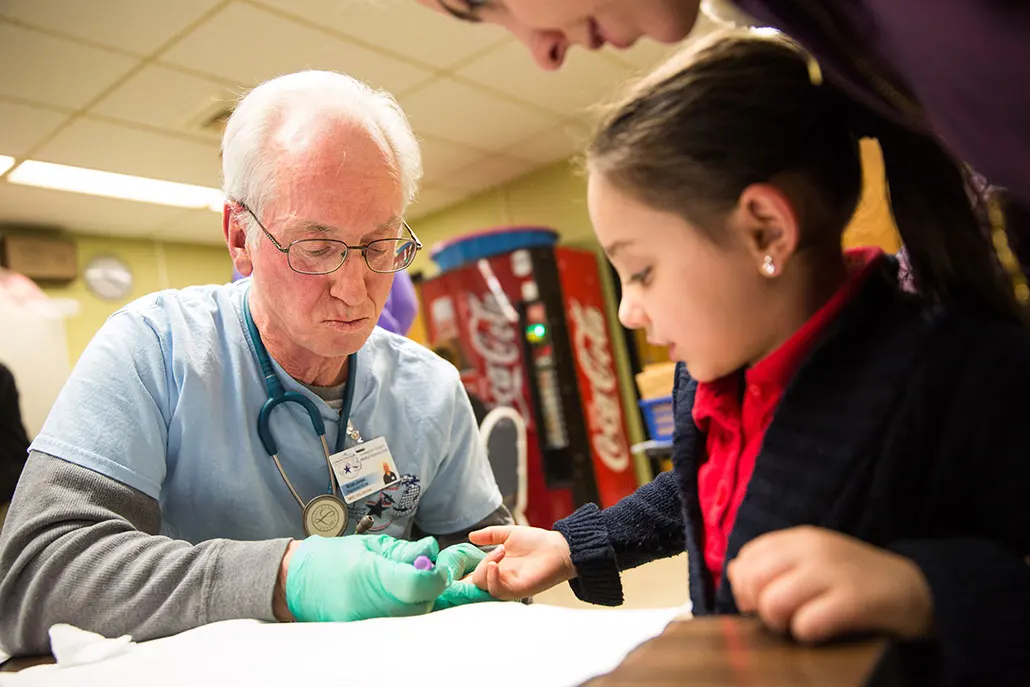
<point x="81" y="548"/>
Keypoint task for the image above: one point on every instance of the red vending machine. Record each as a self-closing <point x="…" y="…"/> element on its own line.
<point x="525" y="320"/>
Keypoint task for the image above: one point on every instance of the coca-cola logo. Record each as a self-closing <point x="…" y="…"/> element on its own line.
<point x="495" y="339"/>
<point x="604" y="416"/>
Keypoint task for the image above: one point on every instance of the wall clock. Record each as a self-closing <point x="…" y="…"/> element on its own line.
<point x="108" y="277"/>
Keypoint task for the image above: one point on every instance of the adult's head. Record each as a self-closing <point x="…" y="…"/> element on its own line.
<point x="316" y="157"/>
<point x="550" y="27"/>
<point x="720" y="186"/>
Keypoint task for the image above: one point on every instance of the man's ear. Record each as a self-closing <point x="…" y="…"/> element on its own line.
<point x="770" y="227"/>
<point x="235" y="230"/>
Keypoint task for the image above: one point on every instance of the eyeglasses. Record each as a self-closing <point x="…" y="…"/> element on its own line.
<point x="325" y="256"/>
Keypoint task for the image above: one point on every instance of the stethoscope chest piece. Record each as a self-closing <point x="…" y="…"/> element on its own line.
<point x="326" y="516"/>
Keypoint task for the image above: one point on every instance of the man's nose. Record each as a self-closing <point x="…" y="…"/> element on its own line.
<point x="348" y="282"/>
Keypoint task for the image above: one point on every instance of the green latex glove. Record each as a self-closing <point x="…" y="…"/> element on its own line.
<point x="363" y="576"/>
<point x="403" y="551"/>
<point x="460" y="560"/>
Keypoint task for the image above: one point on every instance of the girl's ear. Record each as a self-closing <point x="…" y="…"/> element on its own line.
<point x="236" y="238"/>
<point x="769" y="226"/>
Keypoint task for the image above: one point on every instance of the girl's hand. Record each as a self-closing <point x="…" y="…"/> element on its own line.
<point x="527" y="561"/>
<point x="819" y="584"/>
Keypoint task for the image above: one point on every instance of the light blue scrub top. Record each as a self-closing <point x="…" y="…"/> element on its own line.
<point x="166" y="396"/>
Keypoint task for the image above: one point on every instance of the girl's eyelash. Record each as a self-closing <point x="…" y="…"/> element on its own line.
<point x="468" y="12"/>
<point x="641" y="277"/>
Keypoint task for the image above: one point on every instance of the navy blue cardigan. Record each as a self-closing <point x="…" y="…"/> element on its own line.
<point x="907" y="427"/>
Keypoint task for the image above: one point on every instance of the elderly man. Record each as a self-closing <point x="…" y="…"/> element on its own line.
<point x="205" y="432"/>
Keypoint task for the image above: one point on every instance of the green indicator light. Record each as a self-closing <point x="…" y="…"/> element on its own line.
<point x="535" y="333"/>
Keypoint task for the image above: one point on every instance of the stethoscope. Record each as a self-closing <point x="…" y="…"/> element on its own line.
<point x="326" y="514"/>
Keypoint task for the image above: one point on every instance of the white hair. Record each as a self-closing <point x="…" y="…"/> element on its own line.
<point x="248" y="166"/>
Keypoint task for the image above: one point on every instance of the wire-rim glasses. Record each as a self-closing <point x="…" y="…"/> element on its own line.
<point x="325" y="256"/>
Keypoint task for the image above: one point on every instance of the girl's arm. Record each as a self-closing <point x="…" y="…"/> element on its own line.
<point x="644" y="526"/>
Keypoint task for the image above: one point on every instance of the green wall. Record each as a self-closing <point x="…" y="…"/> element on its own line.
<point x="155" y="266"/>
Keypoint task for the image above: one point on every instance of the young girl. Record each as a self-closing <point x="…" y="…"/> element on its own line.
<point x="848" y="457"/>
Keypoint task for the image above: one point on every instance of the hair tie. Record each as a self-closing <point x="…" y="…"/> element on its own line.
<point x="815" y="72"/>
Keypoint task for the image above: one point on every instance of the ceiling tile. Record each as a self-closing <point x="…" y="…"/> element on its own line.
<point x="23" y="126"/>
<point x="138" y="26"/>
<point x="487" y="172"/>
<point x="169" y="99"/>
<point x="440" y="157"/>
<point x="25" y="205"/>
<point x="113" y="148"/>
<point x="192" y="226"/>
<point x="55" y="71"/>
<point x="458" y="112"/>
<point x="265" y="45"/>
<point x="400" y="26"/>
<point x="583" y="80"/>
<point x="433" y="198"/>
<point x="560" y="143"/>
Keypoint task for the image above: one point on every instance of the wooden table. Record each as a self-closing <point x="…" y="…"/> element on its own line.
<point x="739" y="652"/>
<point x="719" y="652"/>
<point x="16" y="664"/>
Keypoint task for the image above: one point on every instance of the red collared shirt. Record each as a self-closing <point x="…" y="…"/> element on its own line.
<point x="735" y="419"/>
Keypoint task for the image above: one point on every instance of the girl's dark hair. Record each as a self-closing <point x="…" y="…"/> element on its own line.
<point x="743" y="109"/>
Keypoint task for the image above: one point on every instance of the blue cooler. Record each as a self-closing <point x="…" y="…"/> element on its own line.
<point x="484" y="244"/>
<point x="659" y="418"/>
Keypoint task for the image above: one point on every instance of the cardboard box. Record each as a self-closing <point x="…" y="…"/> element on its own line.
<point x="656" y="380"/>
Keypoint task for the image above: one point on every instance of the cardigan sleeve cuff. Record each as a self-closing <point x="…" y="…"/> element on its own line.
<point x="981" y="600"/>
<point x="597" y="578"/>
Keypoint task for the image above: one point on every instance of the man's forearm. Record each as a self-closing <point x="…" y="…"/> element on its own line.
<point x="81" y="548"/>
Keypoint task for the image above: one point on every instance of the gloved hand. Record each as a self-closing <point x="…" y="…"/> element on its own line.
<point x="363" y="576"/>
<point x="460" y="560"/>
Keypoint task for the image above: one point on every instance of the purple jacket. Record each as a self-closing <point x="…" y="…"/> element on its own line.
<point x="967" y="62"/>
<point x="401" y="307"/>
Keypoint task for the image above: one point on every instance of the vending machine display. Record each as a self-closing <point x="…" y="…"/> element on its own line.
<point x="525" y="321"/>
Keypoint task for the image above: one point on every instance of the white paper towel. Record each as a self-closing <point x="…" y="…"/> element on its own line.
<point x="72" y="646"/>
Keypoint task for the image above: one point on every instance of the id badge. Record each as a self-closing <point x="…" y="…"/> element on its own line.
<point x="364" y="469"/>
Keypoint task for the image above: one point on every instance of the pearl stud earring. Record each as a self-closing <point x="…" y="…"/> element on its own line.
<point x="768" y="267"/>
